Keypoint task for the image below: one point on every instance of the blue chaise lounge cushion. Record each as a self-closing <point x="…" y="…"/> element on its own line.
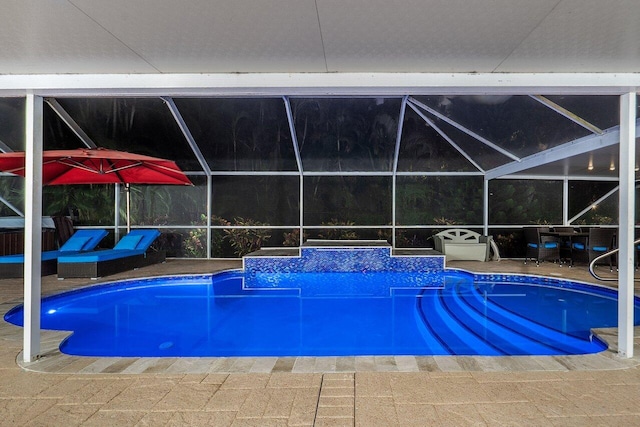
<point x="128" y="242"/>
<point x="90" y="237"/>
<point x="75" y="245"/>
<point x="139" y="239"/>
<point x="148" y="237"/>
<point x="19" y="258"/>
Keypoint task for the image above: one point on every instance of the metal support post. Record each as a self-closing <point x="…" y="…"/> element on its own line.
<point x="33" y="227"/>
<point x="626" y="224"/>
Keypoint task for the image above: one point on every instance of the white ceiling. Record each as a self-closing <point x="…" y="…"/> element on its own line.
<point x="213" y="36"/>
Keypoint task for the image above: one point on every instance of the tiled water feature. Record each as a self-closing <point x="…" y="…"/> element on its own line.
<point x="321" y="256"/>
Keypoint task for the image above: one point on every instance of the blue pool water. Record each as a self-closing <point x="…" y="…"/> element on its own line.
<point x="330" y="314"/>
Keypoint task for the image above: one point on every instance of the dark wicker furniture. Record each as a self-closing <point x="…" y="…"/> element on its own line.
<point x="599" y="241"/>
<point x="541" y="247"/>
<point x="15" y="269"/>
<point x="12" y="266"/>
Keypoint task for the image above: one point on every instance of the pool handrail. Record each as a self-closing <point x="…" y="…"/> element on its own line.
<point x="592" y="264"/>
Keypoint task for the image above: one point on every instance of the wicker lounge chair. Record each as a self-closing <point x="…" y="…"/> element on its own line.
<point x="82" y="241"/>
<point x="132" y="251"/>
<point x="541" y="247"/>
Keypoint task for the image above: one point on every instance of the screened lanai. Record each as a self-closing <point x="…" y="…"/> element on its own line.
<point x="322" y="118"/>
<point x="269" y="169"/>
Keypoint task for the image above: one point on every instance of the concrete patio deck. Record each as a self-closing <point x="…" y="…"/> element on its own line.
<point x="578" y="390"/>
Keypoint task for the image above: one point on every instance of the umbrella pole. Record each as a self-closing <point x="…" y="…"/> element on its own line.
<point x="128" y="190"/>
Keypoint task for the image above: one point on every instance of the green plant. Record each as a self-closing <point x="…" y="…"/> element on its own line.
<point x="600" y="219"/>
<point x="195" y="246"/>
<point x="292" y="238"/>
<point x="217" y="239"/>
<point x="509" y="244"/>
<point x="338" y="233"/>
<point x="542" y="222"/>
<point x="94" y="203"/>
<point x="414" y="238"/>
<point x="384" y="235"/>
<point x="246" y="240"/>
<point x="444" y="221"/>
<point x="150" y="205"/>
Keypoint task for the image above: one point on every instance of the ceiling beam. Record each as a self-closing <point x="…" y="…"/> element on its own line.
<point x="5" y="148"/>
<point x="318" y="84"/>
<point x="579" y="146"/>
<point x="568" y="114"/>
<point x="464" y="129"/>
<point x="11" y="206"/>
<point x="594" y="204"/>
<point x="444" y="136"/>
<point x="396" y="151"/>
<point x="70" y="122"/>
<point x="294" y="137"/>
<point x="186" y="132"/>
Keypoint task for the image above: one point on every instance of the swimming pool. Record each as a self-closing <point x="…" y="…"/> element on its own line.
<point x="331" y="314"/>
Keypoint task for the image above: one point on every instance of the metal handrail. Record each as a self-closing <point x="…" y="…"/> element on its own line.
<point x="592" y="264"/>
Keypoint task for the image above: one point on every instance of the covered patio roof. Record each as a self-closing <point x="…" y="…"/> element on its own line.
<point x="319" y="36"/>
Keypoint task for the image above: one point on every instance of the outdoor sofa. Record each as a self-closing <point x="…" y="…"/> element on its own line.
<point x="131" y="252"/>
<point x="82" y="241"/>
<point x="462" y="244"/>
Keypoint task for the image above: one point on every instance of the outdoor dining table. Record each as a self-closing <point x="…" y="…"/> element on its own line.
<point x="567" y="240"/>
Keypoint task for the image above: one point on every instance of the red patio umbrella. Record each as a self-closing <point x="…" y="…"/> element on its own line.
<point x="98" y="166"/>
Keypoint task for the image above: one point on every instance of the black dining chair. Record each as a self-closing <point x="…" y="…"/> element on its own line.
<point x="539" y="246"/>
<point x="599" y="241"/>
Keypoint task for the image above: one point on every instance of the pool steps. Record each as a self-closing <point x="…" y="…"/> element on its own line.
<point x="499" y="335"/>
<point x="535" y="331"/>
<point x="460" y="313"/>
<point x="461" y="340"/>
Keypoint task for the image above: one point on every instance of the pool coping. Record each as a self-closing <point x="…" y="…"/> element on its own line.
<point x="54" y="361"/>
